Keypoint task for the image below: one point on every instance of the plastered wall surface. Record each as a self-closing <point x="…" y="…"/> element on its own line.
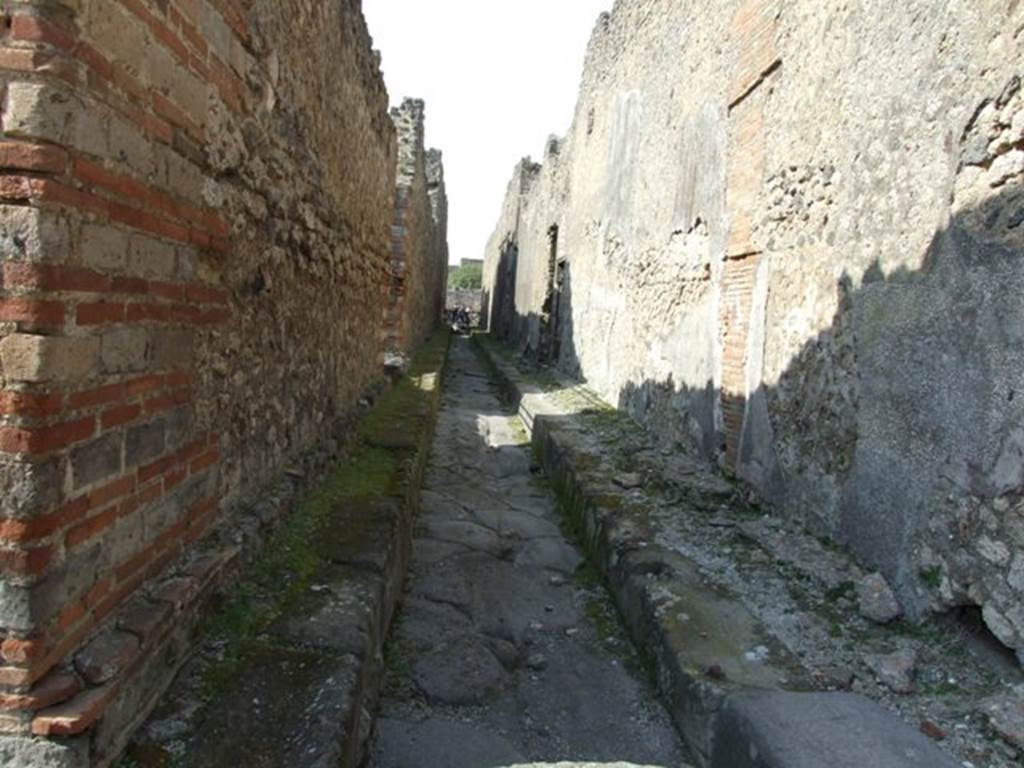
<point x="791" y="232"/>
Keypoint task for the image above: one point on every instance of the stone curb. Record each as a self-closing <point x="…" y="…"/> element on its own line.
<point x="732" y="714"/>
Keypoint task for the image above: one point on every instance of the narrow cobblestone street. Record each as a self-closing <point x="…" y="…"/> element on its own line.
<point x="505" y="649"/>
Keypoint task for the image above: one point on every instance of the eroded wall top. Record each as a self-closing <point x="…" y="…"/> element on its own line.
<point x="419" y="241"/>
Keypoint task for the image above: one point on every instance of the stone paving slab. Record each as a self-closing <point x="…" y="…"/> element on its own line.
<point x="712" y="652"/>
<point x="289" y="707"/>
<point x="505" y="650"/>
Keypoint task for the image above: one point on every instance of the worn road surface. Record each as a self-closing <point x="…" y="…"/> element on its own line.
<point x="504" y="650"/>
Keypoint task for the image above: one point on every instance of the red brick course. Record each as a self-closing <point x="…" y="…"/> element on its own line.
<point x="736" y="303"/>
<point x="39" y="440"/>
<point x="51" y="690"/>
<point x="24" y="156"/>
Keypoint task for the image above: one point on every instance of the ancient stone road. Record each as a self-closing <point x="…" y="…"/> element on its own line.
<point x="502" y="652"/>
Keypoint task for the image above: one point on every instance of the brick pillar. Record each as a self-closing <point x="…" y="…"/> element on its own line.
<point x="103" y="480"/>
<point x="753" y="32"/>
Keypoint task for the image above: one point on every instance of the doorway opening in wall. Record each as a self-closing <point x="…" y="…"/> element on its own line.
<point x="548" y="351"/>
<point x="504" y="302"/>
<point x="557" y="311"/>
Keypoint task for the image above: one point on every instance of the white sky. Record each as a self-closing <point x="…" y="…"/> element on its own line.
<point x="498" y="77"/>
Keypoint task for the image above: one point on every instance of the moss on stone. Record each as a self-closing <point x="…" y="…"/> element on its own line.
<point x="519" y="430"/>
<point x="838" y="592"/>
<point x="397" y="418"/>
<point x="394" y="422"/>
<point x="932" y="576"/>
<point x="345" y="513"/>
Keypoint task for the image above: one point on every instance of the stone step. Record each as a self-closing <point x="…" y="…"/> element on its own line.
<point x="808" y="730"/>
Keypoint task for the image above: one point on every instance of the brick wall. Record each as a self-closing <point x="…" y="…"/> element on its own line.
<point x="188" y="187"/>
<point x="419" y="240"/>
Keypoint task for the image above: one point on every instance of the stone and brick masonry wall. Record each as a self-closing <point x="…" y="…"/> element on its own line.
<point x="419" y="236"/>
<point x="792" y="232"/>
<point x="196" y="201"/>
<point x="437" y="278"/>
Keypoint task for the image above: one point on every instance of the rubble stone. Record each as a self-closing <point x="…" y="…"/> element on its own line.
<point x="106" y="657"/>
<point x="895" y="670"/>
<point x="876" y="599"/>
<point x="1006" y="715"/>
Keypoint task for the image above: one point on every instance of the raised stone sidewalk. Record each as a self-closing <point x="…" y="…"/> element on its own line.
<point x="678" y="546"/>
<point x="289" y="670"/>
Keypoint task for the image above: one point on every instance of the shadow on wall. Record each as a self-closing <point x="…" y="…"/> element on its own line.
<point x="544" y="339"/>
<point x="501" y="321"/>
<point x="898" y="430"/>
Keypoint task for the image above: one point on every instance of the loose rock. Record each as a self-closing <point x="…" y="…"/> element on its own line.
<point x="835" y="678"/>
<point x="758" y="655"/>
<point x="1006" y="716"/>
<point x="628" y="480"/>
<point x="715" y="672"/>
<point x="895" y="670"/>
<point x="106" y="656"/>
<point x="537" y="661"/>
<point x="876" y="599"/>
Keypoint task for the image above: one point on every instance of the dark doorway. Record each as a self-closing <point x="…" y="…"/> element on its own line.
<point x="548" y="347"/>
<point x="503" y="311"/>
<point x="557" y="308"/>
